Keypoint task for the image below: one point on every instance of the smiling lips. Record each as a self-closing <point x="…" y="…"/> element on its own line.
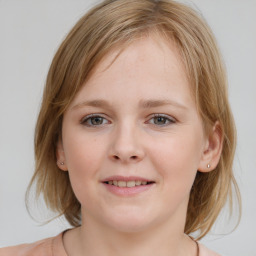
<point x="126" y="186"/>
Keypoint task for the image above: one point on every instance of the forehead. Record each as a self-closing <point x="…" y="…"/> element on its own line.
<point x="150" y="49"/>
<point x="147" y="66"/>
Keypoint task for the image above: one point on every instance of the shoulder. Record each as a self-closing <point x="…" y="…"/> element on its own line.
<point x="47" y="247"/>
<point x="204" y="251"/>
<point x="39" y="248"/>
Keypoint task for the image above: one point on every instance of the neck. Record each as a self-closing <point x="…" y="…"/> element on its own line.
<point x="165" y="239"/>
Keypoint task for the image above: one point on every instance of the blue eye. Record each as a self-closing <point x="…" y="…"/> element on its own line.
<point x="161" y="120"/>
<point x="94" y="120"/>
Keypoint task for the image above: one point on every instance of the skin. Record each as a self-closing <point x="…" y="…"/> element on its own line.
<point x="127" y="139"/>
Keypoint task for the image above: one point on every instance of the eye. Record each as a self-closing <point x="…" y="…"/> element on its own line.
<point x="161" y="120"/>
<point x="94" y="120"/>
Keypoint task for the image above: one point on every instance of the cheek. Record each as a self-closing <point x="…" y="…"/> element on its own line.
<point x="177" y="159"/>
<point x="82" y="151"/>
<point x="83" y="156"/>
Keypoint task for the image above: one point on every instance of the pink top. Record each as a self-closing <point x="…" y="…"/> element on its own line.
<point x="54" y="247"/>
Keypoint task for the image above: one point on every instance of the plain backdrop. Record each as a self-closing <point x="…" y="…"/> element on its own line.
<point x="30" y="33"/>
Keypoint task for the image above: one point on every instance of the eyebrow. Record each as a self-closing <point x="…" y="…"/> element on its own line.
<point x="142" y="104"/>
<point x="159" y="103"/>
<point x="93" y="103"/>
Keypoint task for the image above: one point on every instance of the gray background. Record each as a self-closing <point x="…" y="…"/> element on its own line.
<point x="30" y="32"/>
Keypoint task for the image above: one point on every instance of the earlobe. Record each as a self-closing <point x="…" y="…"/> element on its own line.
<point x="213" y="149"/>
<point x="60" y="155"/>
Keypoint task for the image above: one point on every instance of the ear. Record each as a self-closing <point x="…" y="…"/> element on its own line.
<point x="60" y="155"/>
<point x="212" y="150"/>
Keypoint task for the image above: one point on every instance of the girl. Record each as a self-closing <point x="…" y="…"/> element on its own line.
<point x="135" y="139"/>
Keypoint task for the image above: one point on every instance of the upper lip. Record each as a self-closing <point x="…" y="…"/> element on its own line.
<point x="126" y="178"/>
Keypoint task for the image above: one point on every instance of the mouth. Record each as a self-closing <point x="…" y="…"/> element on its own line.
<point x="128" y="184"/>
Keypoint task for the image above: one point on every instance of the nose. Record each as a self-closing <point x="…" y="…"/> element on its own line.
<point x="126" y="146"/>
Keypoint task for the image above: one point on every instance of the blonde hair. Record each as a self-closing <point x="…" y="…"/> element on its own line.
<point x="116" y="23"/>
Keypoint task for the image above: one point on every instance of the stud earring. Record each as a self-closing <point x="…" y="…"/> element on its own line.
<point x="61" y="163"/>
<point x="208" y="165"/>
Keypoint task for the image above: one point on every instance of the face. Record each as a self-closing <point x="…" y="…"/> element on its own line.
<point x="132" y="139"/>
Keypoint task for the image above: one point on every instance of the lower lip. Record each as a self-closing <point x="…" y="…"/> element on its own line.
<point x="125" y="191"/>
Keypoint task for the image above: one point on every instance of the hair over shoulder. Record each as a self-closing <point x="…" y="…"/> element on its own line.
<point x="115" y="24"/>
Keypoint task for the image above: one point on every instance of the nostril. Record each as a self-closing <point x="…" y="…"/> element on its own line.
<point x="132" y="157"/>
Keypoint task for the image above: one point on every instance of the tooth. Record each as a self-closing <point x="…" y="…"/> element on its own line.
<point x="115" y="182"/>
<point x="121" y="183"/>
<point x="137" y="182"/>
<point x="143" y="183"/>
<point x="110" y="182"/>
<point x="130" y="184"/>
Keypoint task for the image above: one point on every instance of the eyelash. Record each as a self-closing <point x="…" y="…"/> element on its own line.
<point x="88" y="118"/>
<point x="165" y="117"/>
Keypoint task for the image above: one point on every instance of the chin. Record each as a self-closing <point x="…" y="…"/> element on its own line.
<point x="130" y="222"/>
